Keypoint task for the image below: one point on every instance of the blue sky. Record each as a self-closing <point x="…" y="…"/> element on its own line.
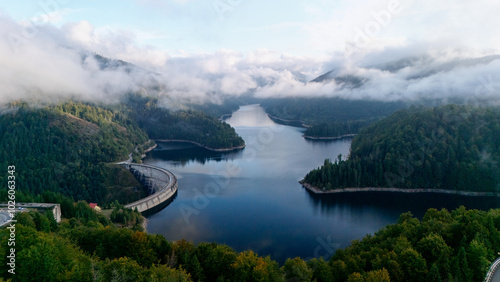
<point x="297" y="27"/>
<point x="188" y="26"/>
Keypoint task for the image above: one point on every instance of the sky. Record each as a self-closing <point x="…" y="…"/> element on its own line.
<point x="205" y="50"/>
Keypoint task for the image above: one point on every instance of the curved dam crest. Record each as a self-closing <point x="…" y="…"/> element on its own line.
<point x="161" y="183"/>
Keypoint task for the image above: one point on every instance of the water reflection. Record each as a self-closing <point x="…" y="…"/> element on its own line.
<point x="396" y="203"/>
<point x="250" y="116"/>
<point x="181" y="154"/>
<point x="263" y="207"/>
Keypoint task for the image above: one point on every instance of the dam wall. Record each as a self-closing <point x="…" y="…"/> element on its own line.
<point x="161" y="185"/>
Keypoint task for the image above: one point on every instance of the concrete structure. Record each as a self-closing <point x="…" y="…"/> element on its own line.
<point x="493" y="274"/>
<point x="4" y="218"/>
<point x="161" y="184"/>
<point x="54" y="208"/>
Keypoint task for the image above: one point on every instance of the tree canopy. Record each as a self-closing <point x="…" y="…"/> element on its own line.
<point x="442" y="246"/>
<point x="448" y="147"/>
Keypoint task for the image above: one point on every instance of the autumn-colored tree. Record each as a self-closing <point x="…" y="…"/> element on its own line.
<point x="250" y="267"/>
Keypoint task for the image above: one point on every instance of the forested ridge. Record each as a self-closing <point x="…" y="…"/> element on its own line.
<point x="62" y="153"/>
<point x="454" y="147"/>
<point x="184" y="123"/>
<point x="65" y="148"/>
<point x="442" y="246"/>
<point x="69" y="148"/>
<point x="329" y="117"/>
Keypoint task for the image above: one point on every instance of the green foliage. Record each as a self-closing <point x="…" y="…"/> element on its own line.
<point x="25" y="219"/>
<point x="336" y="128"/>
<point x="379" y="275"/>
<point x="215" y="260"/>
<point x="434" y="274"/>
<point x="250" y="267"/>
<point x="122" y="186"/>
<point x="296" y="269"/>
<point x="229" y="105"/>
<point x="183" y="124"/>
<point x="450" y="147"/>
<point x="329" y="117"/>
<point x="410" y="250"/>
<point x="112" y="243"/>
<point x="64" y="148"/>
<point x="477" y="259"/>
<point x="414" y="250"/>
<point x="413" y="265"/>
<point x="125" y="216"/>
<point x="355" y="277"/>
<point x="316" y="110"/>
<point x="321" y="271"/>
<point x="44" y="257"/>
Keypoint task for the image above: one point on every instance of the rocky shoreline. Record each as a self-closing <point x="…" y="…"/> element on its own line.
<point x="145" y="224"/>
<point x="317" y="190"/>
<point x="201" y="145"/>
<point x="148" y="150"/>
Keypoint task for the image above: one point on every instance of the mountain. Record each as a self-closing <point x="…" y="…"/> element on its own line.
<point x="426" y="66"/>
<point x="347" y="81"/>
<point x="183" y="124"/>
<point x="329" y="117"/>
<point x="70" y="148"/>
<point x="448" y="147"/>
<point x="415" y="68"/>
<point x="66" y="148"/>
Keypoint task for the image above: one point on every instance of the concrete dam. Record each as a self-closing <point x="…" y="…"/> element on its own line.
<point x="161" y="184"/>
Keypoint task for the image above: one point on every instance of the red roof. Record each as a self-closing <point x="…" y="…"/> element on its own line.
<point x="92" y="205"/>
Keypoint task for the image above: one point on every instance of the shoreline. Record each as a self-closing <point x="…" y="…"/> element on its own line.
<point x="130" y="159"/>
<point x="288" y="121"/>
<point x="329" y="138"/>
<point x="145" y="224"/>
<point x="148" y="150"/>
<point x="225" y="116"/>
<point x="201" y="145"/>
<point x="318" y="191"/>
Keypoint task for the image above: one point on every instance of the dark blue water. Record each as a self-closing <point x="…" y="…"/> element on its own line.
<point x="250" y="199"/>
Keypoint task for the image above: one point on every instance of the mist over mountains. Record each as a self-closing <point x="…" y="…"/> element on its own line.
<point x="58" y="63"/>
<point x="422" y="77"/>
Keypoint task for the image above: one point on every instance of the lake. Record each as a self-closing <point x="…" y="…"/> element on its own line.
<point x="251" y="198"/>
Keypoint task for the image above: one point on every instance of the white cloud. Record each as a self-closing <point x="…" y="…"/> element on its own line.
<point x="118" y="44"/>
<point x="48" y="63"/>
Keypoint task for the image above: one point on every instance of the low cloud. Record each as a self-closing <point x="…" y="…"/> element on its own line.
<point x="53" y="63"/>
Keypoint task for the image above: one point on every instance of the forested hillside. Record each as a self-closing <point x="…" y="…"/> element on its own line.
<point x="443" y="246"/>
<point x="65" y="148"/>
<point x="186" y="124"/>
<point x="68" y="148"/>
<point x="330" y="117"/>
<point x="449" y="147"/>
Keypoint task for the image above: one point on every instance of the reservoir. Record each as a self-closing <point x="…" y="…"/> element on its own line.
<point x="251" y="198"/>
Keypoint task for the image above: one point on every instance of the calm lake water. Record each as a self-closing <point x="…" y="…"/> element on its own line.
<point x="250" y="199"/>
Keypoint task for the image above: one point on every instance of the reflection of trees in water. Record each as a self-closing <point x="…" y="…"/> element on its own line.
<point x="186" y="154"/>
<point x="395" y="203"/>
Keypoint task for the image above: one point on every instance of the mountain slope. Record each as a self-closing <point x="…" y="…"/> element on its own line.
<point x="329" y="117"/>
<point x="65" y="148"/>
<point x="448" y="147"/>
<point x="185" y="124"/>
